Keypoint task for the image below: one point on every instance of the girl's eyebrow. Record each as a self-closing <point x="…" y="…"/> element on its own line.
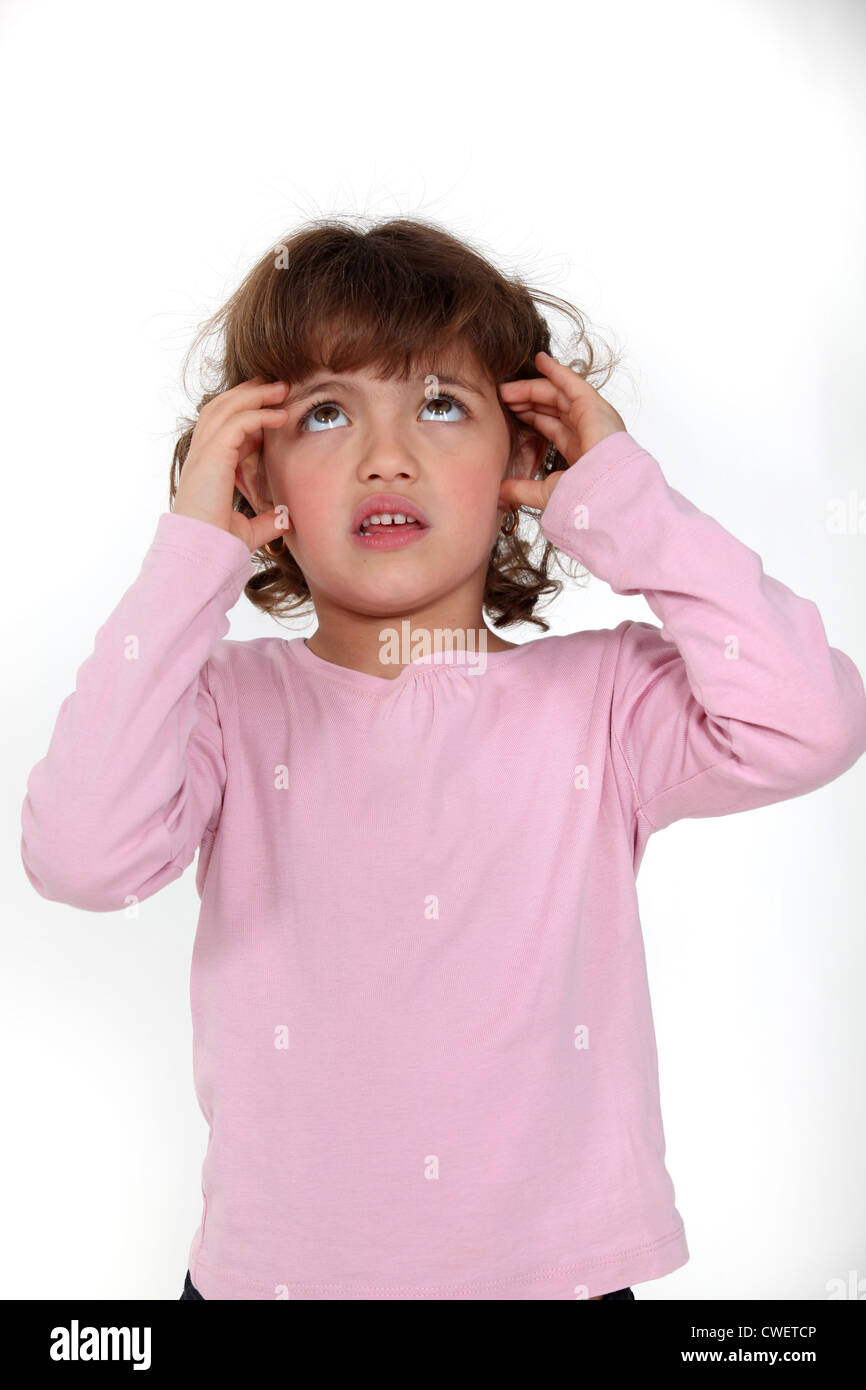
<point x="342" y="385"/>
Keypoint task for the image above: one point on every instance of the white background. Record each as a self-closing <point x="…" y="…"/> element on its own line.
<point x="691" y="176"/>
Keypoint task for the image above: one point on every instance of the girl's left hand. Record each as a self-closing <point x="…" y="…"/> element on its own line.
<point x="566" y="410"/>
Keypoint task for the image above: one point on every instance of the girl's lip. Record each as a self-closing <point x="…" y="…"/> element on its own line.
<point x="391" y="537"/>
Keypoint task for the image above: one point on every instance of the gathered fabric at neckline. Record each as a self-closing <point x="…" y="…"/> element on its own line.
<point x="473" y="663"/>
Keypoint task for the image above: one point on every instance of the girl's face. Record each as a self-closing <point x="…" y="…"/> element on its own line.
<point x="444" y="448"/>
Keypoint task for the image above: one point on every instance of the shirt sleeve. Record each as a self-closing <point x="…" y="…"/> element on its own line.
<point x="738" y="700"/>
<point x="135" y="771"/>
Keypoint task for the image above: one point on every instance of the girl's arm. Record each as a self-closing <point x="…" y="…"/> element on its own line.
<point x="134" y="772"/>
<point x="739" y="700"/>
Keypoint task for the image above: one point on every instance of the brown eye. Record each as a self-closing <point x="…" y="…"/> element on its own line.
<point x="318" y="418"/>
<point x="448" y="402"/>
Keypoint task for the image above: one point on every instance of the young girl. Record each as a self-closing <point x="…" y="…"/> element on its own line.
<point x="422" y="1032"/>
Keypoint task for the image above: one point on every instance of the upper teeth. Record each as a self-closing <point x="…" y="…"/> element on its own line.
<point x="387" y="519"/>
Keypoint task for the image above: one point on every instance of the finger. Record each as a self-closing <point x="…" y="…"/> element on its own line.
<point x="253" y="421"/>
<point x="529" y="387"/>
<point x="541" y="408"/>
<point x="264" y="528"/>
<point x="566" y="378"/>
<point x="535" y="391"/>
<point x="552" y="428"/>
<point x="523" y="492"/>
<point x="255" y="388"/>
<point x="246" y="394"/>
<point x="236" y="431"/>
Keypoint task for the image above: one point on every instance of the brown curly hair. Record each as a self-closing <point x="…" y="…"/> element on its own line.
<point x="402" y="291"/>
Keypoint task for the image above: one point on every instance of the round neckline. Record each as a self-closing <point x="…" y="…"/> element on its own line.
<point x="364" y="680"/>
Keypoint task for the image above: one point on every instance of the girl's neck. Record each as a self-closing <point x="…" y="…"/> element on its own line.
<point x="369" y="653"/>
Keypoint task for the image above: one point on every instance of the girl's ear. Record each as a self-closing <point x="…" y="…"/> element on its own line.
<point x="249" y="476"/>
<point x="529" y="455"/>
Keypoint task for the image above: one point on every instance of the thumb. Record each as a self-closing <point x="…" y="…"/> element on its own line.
<point x="526" y="492"/>
<point x="266" y="526"/>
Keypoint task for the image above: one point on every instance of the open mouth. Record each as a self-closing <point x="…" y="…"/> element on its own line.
<point x="374" y="526"/>
<point x="389" y="532"/>
<point x="388" y="521"/>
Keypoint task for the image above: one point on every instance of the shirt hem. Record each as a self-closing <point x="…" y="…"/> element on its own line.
<point x="598" y="1275"/>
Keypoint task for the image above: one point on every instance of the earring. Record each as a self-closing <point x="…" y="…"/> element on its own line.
<point x="509" y="530"/>
<point x="269" y="547"/>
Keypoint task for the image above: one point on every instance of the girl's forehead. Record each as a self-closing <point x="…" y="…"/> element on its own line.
<point x="450" y="369"/>
<point x="457" y="356"/>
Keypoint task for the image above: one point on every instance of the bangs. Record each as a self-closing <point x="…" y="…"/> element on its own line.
<point x="387" y="301"/>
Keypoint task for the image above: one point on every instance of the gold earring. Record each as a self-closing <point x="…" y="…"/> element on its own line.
<point x="509" y="530"/>
<point x="269" y="547"/>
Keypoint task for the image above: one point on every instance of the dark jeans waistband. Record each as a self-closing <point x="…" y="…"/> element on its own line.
<point x="190" y="1291"/>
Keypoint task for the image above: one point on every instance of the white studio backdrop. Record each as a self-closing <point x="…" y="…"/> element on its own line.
<point x="687" y="175"/>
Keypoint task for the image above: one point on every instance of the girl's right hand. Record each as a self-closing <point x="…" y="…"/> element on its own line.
<point x="230" y="428"/>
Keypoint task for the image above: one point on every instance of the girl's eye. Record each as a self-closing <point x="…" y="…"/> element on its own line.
<point x="449" y="402"/>
<point x="316" y="425"/>
<point x="312" y="421"/>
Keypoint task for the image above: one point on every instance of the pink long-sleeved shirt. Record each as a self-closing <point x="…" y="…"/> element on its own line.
<point x="423" y="1041"/>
